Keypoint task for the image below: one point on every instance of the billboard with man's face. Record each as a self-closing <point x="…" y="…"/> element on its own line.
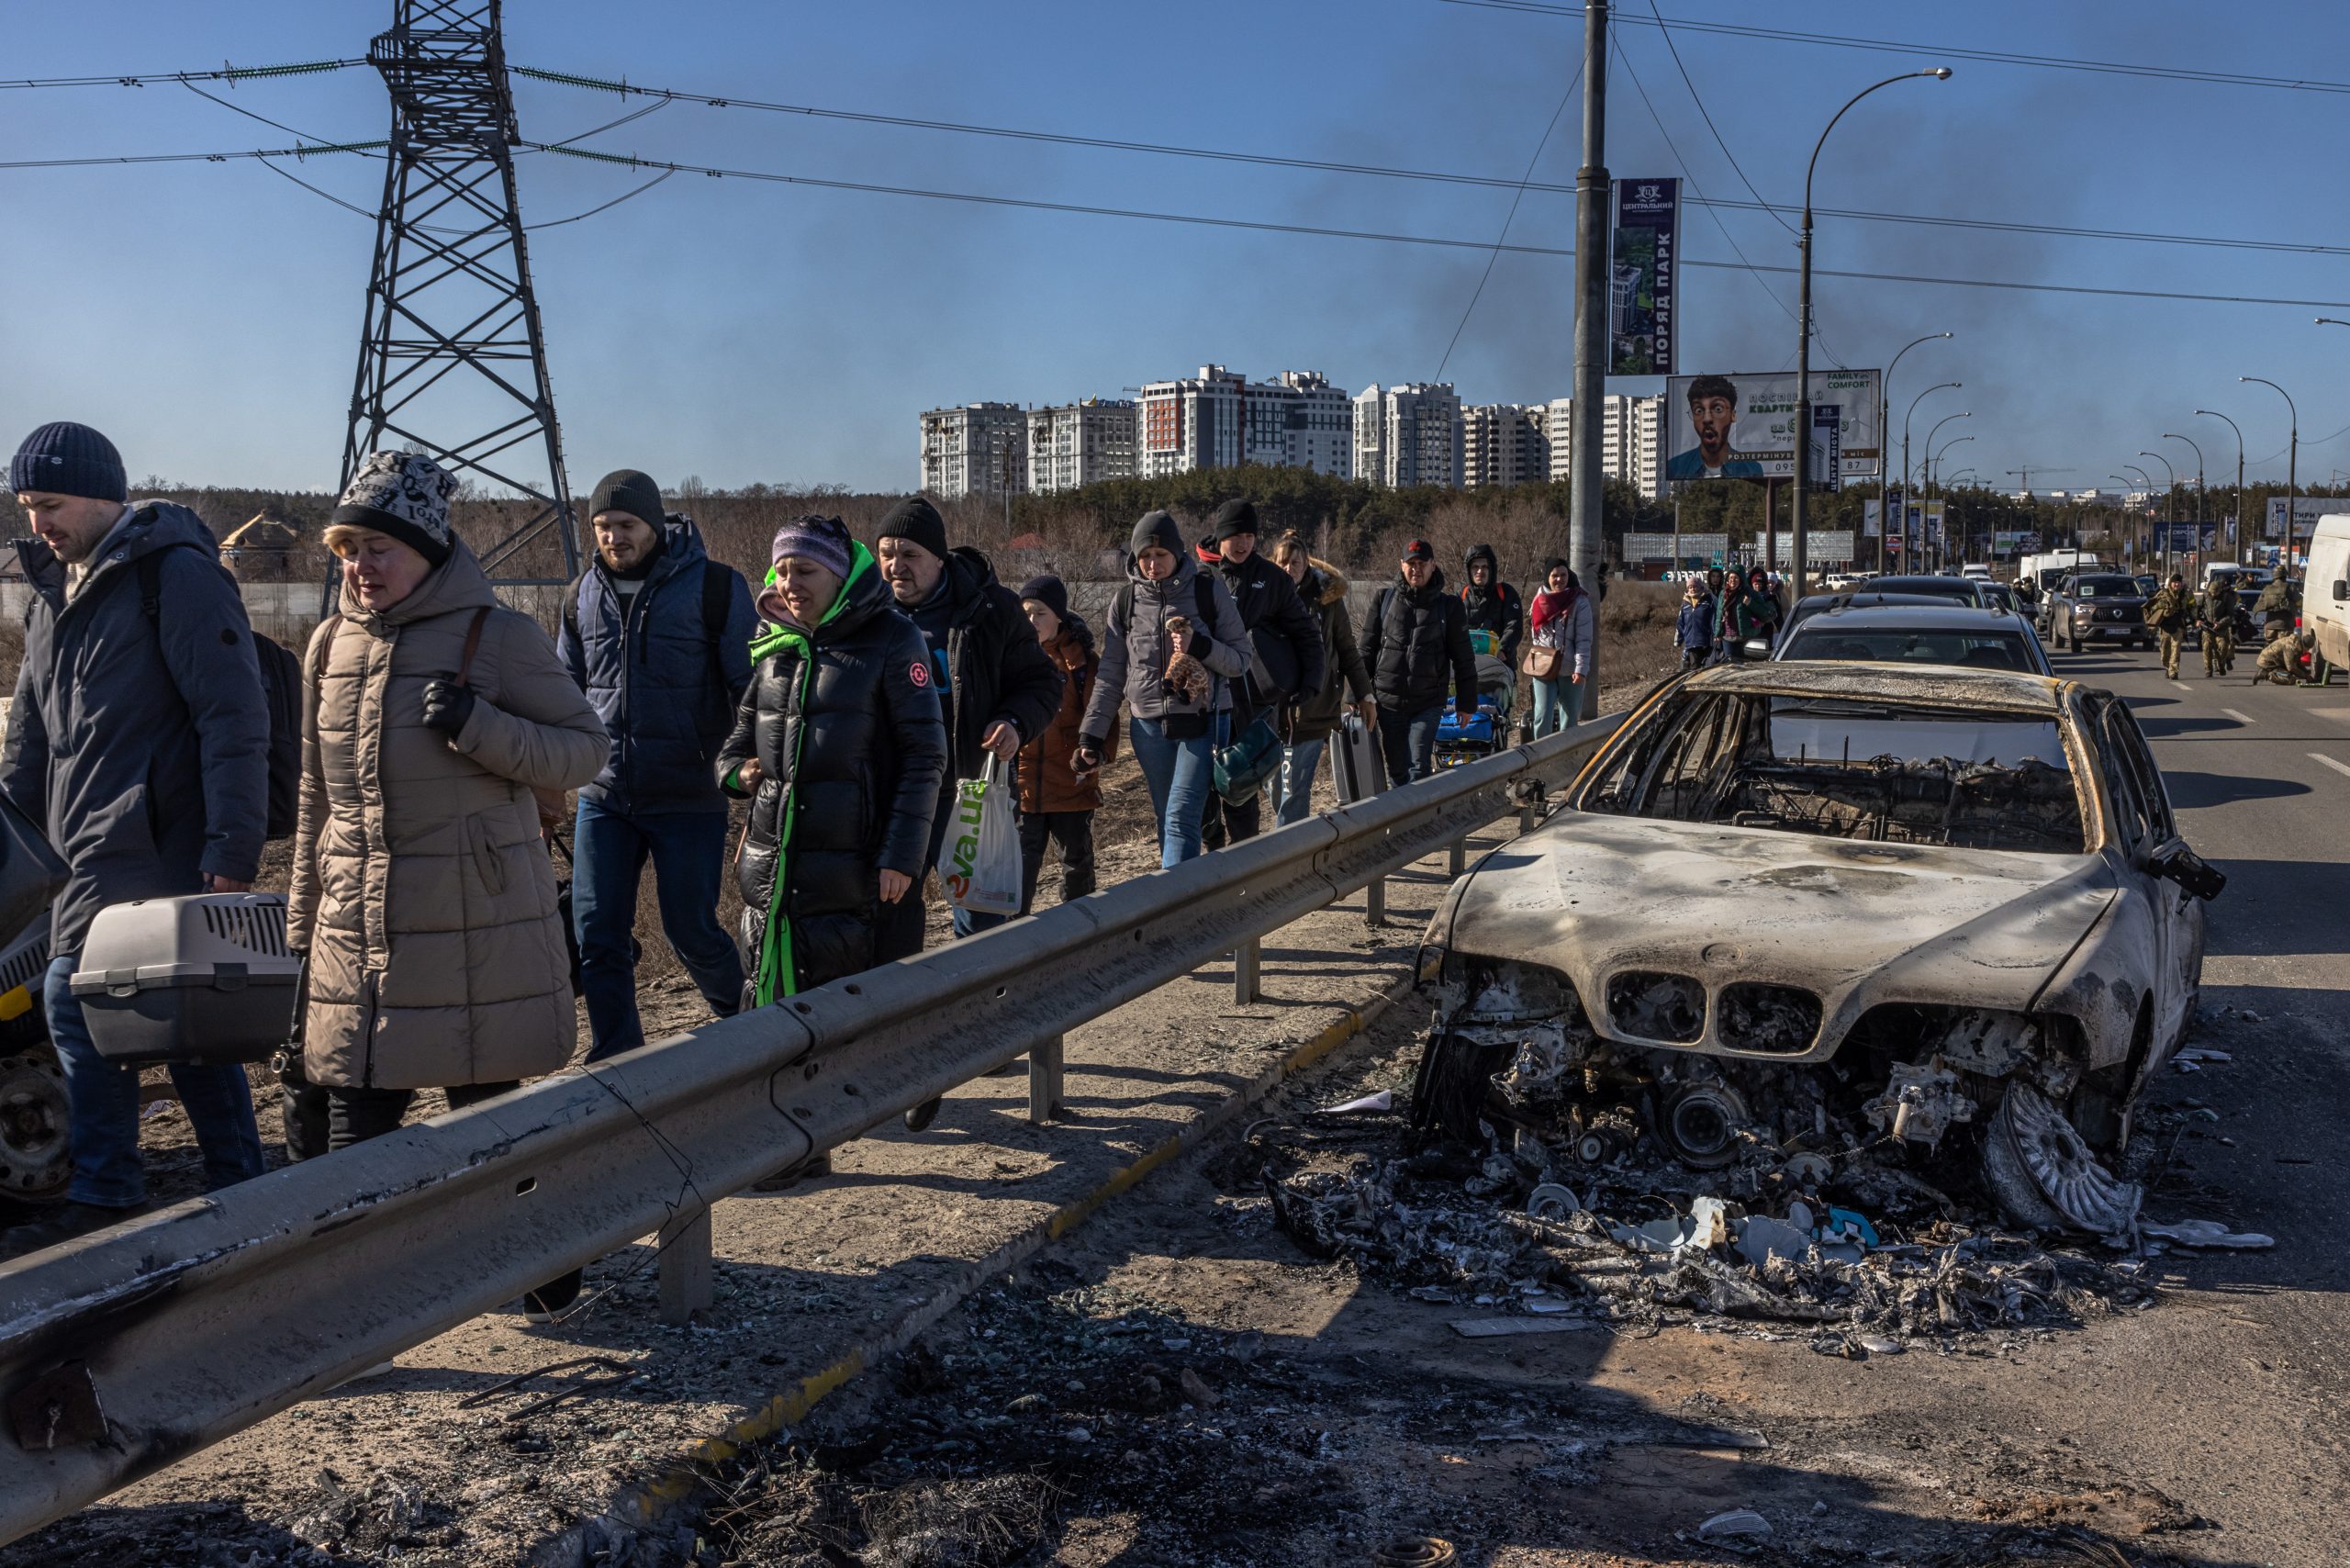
<point x="1742" y="427"/>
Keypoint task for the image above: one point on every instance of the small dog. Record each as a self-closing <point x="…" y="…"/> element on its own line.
<point x="1187" y="679"/>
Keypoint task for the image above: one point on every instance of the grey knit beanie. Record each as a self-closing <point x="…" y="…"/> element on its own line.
<point x="406" y="495"/>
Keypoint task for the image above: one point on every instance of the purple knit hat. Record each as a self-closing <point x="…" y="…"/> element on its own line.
<point x="823" y="540"/>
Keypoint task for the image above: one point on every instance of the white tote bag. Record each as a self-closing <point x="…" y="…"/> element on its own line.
<point x="979" y="861"/>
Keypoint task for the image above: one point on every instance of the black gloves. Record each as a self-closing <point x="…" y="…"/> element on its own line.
<point x="447" y="706"/>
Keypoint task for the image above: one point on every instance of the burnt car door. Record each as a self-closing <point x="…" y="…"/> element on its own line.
<point x="2173" y="879"/>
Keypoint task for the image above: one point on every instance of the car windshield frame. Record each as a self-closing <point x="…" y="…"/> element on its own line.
<point x="1749" y="759"/>
<point x="1821" y="630"/>
<point x="2087" y="587"/>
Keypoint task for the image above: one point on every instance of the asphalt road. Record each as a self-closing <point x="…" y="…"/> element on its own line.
<point x="2241" y="1402"/>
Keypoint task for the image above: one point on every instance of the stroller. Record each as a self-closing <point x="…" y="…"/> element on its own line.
<point x="1461" y="739"/>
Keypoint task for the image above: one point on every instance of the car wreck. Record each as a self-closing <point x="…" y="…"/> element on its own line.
<point x="1792" y="913"/>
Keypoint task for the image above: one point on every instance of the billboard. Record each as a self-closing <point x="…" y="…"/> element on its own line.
<point x="1821" y="546"/>
<point x="2307" y="509"/>
<point x="1705" y="548"/>
<point x="1742" y="427"/>
<point x="1640" y="278"/>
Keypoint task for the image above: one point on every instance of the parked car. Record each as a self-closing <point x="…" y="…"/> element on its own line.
<point x="1792" y="906"/>
<point x="2099" y="607"/>
<point x="1929" y="633"/>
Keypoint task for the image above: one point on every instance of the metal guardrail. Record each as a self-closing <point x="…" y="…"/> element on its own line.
<point x="126" y="1349"/>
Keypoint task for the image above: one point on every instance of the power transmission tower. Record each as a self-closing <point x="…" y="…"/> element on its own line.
<point x="450" y="341"/>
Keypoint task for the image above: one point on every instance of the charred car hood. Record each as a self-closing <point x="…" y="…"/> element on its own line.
<point x="1852" y="922"/>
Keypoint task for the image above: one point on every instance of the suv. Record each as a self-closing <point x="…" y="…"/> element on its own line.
<point x="2098" y="607"/>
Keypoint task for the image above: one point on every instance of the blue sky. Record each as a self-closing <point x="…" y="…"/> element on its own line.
<point x="207" y="314"/>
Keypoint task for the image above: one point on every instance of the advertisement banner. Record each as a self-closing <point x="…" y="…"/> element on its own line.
<point x="2015" y="542"/>
<point x="2307" y="509"/>
<point x="1827" y="446"/>
<point x="1742" y="427"/>
<point x="1821" y="547"/>
<point x="1702" y="548"/>
<point x="1640" y="285"/>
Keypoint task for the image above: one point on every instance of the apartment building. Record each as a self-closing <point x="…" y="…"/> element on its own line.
<point x="1079" y="443"/>
<point x="1504" y="443"/>
<point x="977" y="449"/>
<point x="1408" y="434"/>
<point x="1631" y="440"/>
<point x="1219" y="419"/>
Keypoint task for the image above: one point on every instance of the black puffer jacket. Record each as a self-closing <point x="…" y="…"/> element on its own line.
<point x="1284" y="634"/>
<point x="1416" y="643"/>
<point x="1494" y="608"/>
<point x="859" y="747"/>
<point x="996" y="667"/>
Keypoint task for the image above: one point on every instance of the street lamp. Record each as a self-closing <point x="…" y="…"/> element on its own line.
<point x="1933" y="466"/>
<point x="2170" y="505"/>
<point x="2200" y="505"/>
<point x="2243" y="532"/>
<point x="1803" y="324"/>
<point x="1905" y="455"/>
<point x="2148" y="481"/>
<point x="1926" y="469"/>
<point x="1884" y="436"/>
<point x="2293" y="458"/>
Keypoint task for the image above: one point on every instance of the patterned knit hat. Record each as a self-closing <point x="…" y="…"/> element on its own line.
<point x="406" y="495"/>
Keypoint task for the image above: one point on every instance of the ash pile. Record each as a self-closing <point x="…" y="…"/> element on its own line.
<point x="1540" y="1178"/>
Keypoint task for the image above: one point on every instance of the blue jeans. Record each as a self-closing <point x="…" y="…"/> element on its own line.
<point x="688" y="854"/>
<point x="1180" y="774"/>
<point x="1558" y="704"/>
<point x="1407" y="741"/>
<point x="104" y="1116"/>
<point x="1294" y="785"/>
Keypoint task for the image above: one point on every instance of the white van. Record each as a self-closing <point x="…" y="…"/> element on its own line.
<point x="2038" y="574"/>
<point x="2325" y="590"/>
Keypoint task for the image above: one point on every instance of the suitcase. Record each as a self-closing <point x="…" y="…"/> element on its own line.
<point x="1355" y="765"/>
<point x="198" y="979"/>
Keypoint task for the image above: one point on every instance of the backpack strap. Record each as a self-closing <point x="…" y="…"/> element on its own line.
<point x="716" y="593"/>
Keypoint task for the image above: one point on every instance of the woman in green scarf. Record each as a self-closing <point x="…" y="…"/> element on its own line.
<point x="839" y="745"/>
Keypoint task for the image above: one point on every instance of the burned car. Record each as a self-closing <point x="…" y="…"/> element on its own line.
<point x="1793" y="909"/>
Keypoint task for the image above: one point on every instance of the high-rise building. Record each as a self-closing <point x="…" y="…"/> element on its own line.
<point x="1219" y="420"/>
<point x="1079" y="443"/>
<point x="1504" y="443"/>
<point x="980" y="449"/>
<point x="1631" y="440"/>
<point x="1321" y="419"/>
<point x="1408" y="435"/>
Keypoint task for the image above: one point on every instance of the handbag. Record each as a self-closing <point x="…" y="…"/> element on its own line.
<point x="1242" y="768"/>
<point x="1543" y="663"/>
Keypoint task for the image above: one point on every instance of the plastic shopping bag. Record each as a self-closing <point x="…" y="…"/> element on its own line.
<point x="979" y="861"/>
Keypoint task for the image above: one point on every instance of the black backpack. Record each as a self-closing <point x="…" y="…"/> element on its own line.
<point x="281" y="693"/>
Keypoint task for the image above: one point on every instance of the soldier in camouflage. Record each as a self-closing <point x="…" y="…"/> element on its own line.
<point x="2168" y="613"/>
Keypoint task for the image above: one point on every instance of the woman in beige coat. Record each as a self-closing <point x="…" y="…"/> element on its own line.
<point x="422" y="890"/>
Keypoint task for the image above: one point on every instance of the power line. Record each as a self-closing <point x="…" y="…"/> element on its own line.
<point x="1205" y="220"/>
<point x="375" y="148"/>
<point x="1719" y="139"/>
<point x="1988" y="56"/>
<point x="226" y="73"/>
<point x="1507" y="219"/>
<point x="1683" y="163"/>
<point x="1328" y="166"/>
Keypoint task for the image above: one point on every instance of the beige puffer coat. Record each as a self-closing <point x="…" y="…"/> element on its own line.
<point x="423" y="888"/>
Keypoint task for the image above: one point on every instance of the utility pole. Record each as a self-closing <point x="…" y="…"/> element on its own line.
<point x="1588" y="485"/>
<point x="451" y="338"/>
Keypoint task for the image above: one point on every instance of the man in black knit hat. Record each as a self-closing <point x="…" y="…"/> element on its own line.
<point x="998" y="688"/>
<point x="659" y="636"/>
<point x="1285" y="646"/>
